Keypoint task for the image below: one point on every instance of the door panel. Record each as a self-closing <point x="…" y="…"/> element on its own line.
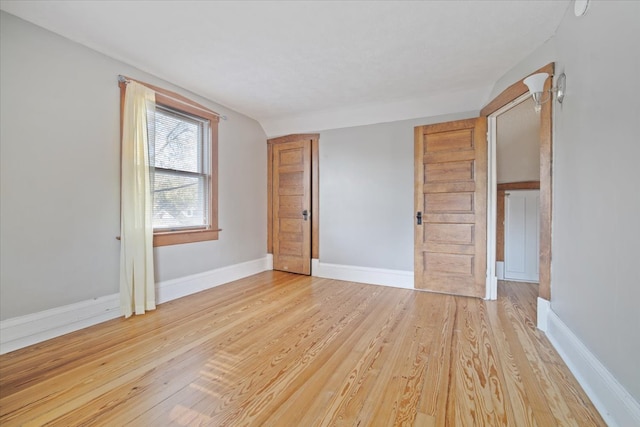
<point x="448" y="202"/>
<point x="522" y="237"/>
<point x="291" y="197"/>
<point x="461" y="234"/>
<point x="461" y="170"/>
<point x="451" y="198"/>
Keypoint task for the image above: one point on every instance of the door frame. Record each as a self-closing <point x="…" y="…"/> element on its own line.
<point x="314" y="139"/>
<point x="508" y="98"/>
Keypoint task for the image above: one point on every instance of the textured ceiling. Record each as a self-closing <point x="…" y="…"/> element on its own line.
<point x="304" y="66"/>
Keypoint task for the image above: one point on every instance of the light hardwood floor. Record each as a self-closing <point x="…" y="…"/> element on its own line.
<point x="278" y="349"/>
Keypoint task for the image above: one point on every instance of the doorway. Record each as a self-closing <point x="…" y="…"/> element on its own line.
<point x="518" y="183"/>
<point x="511" y="96"/>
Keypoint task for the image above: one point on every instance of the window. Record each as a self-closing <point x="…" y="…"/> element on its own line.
<point x="181" y="171"/>
<point x="183" y="153"/>
<point x="184" y="179"/>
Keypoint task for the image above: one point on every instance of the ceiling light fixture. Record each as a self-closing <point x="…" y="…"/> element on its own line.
<point x="535" y="83"/>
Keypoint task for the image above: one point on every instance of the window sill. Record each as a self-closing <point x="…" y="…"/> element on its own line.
<point x="179" y="237"/>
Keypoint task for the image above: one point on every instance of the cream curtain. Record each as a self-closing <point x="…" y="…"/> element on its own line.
<point x="137" y="284"/>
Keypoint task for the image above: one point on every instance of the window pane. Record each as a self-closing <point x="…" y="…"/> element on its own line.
<point x="178" y="201"/>
<point x="178" y="142"/>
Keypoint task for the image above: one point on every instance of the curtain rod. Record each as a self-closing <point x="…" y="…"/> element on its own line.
<point x="126" y="80"/>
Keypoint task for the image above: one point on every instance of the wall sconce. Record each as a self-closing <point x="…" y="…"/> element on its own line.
<point x="535" y="83"/>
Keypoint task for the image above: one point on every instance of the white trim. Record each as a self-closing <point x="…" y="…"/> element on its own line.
<point x="613" y="401"/>
<point x="492" y="195"/>
<point x="183" y="286"/>
<point x="492" y="287"/>
<point x="544" y="307"/>
<point x="19" y="332"/>
<point x="373" y="276"/>
<point x="500" y="270"/>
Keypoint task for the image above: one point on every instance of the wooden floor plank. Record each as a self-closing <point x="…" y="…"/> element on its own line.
<point x="519" y="304"/>
<point x="522" y="394"/>
<point x="523" y="332"/>
<point x="335" y="373"/>
<point x="435" y="395"/>
<point x="278" y="349"/>
<point x="401" y="387"/>
<point x="476" y="377"/>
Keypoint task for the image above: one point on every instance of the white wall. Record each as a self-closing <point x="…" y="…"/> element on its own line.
<point x="595" y="278"/>
<point x="366" y="194"/>
<point x="59" y="208"/>
<point x="596" y="232"/>
<point x="518" y="144"/>
<point x="540" y="57"/>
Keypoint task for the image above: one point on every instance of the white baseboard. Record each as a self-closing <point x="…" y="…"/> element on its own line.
<point x="373" y="276"/>
<point x="500" y="270"/>
<point x="544" y="307"/>
<point x="177" y="288"/>
<point x="19" y="332"/>
<point x="491" y="285"/>
<point x="616" y="406"/>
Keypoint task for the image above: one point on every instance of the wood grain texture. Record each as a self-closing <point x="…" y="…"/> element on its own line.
<point x="522" y="185"/>
<point x="279" y="349"/>
<point x="315" y="197"/>
<point x="512" y="92"/>
<point x="450" y="191"/>
<point x="269" y="198"/>
<point x="183" y="101"/>
<point x="291" y="200"/>
<point x="546" y="192"/>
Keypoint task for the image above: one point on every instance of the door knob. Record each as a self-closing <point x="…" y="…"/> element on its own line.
<point x="419" y="218"/>
<point x="305" y="214"/>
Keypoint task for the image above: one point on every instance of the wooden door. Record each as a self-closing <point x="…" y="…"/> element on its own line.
<point x="522" y="236"/>
<point x="292" y="206"/>
<point x="451" y="207"/>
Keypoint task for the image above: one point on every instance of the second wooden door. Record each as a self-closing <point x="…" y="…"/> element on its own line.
<point x="292" y="206"/>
